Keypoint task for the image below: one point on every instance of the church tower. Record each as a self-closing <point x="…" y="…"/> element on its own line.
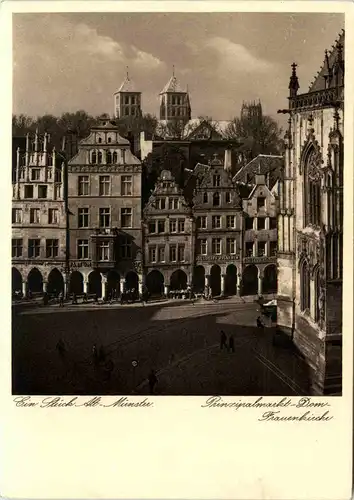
<point x="127" y="100"/>
<point x="174" y="102"/>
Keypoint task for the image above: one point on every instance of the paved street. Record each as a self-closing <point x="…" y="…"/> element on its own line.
<point x="179" y="340"/>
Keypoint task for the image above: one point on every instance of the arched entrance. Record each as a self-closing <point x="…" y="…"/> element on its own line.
<point x="270" y="279"/>
<point x="16" y="280"/>
<point x="154" y="282"/>
<point x="231" y="280"/>
<point x="113" y="283"/>
<point x="199" y="279"/>
<point x="131" y="281"/>
<point x="178" y="280"/>
<point x="55" y="282"/>
<point x="250" y="280"/>
<point x="35" y="281"/>
<point x="215" y="280"/>
<point x="76" y="284"/>
<point x="94" y="283"/>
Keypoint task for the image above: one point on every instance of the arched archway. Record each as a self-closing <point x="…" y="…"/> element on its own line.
<point x="76" y="284"/>
<point x="131" y="281"/>
<point x="250" y="280"/>
<point x="199" y="279"/>
<point x="305" y="293"/>
<point x="231" y="280"/>
<point x="154" y="282"/>
<point x="35" y="281"/>
<point x="178" y="280"/>
<point x="215" y="280"/>
<point x="94" y="283"/>
<point x="55" y="282"/>
<point x="113" y="283"/>
<point x="16" y="280"/>
<point x="270" y="281"/>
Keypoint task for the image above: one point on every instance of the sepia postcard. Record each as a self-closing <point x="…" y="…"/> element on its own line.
<point x="178" y="302"/>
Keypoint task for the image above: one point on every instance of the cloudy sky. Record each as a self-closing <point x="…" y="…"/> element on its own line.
<point x="65" y="62"/>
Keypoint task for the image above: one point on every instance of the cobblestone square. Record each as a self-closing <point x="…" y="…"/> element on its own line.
<point x="179" y="340"/>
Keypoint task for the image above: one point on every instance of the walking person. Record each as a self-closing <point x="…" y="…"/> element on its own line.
<point x="61" y="299"/>
<point x="95" y="354"/>
<point x="259" y="322"/>
<point x="152" y="381"/>
<point x="61" y="348"/>
<point x="231" y="344"/>
<point x="223" y="339"/>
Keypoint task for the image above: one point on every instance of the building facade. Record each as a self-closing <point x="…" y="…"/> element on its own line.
<point x="104" y="201"/>
<point x="217" y="209"/>
<point x="259" y="268"/>
<point x="310" y="224"/>
<point x="168" y="232"/>
<point x="38" y="218"/>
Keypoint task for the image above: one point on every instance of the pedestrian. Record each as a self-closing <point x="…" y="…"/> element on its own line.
<point x="95" y="354"/>
<point x="61" y="347"/>
<point x="74" y="299"/>
<point x="152" y="381"/>
<point x="231" y="344"/>
<point x="61" y="299"/>
<point x="259" y="322"/>
<point x="223" y="339"/>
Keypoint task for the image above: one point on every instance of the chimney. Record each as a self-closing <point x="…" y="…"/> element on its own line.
<point x="227" y="161"/>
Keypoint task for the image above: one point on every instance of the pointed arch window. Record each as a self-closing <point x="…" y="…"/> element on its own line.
<point x="93" y="157"/>
<point x="312" y="188"/>
<point x="205" y="197"/>
<point x="99" y="157"/>
<point x="109" y="157"/>
<point x="317" y="295"/>
<point x="305" y="296"/>
<point x="115" y="157"/>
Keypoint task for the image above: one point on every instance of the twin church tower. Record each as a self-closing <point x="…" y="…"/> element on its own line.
<point x="174" y="102"/>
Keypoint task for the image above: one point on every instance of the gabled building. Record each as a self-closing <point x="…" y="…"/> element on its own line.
<point x="38" y="218"/>
<point x="168" y="238"/>
<point x="259" y="270"/>
<point x="217" y="209"/>
<point x="104" y="200"/>
<point x="271" y="166"/>
<point x="310" y="223"/>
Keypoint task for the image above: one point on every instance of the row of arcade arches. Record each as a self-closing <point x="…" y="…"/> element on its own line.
<point x="154" y="282"/>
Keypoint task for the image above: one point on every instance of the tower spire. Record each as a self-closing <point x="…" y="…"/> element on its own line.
<point x="294" y="81"/>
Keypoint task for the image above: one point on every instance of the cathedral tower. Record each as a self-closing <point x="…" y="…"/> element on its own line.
<point x="127" y="101"/>
<point x="174" y="102"/>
